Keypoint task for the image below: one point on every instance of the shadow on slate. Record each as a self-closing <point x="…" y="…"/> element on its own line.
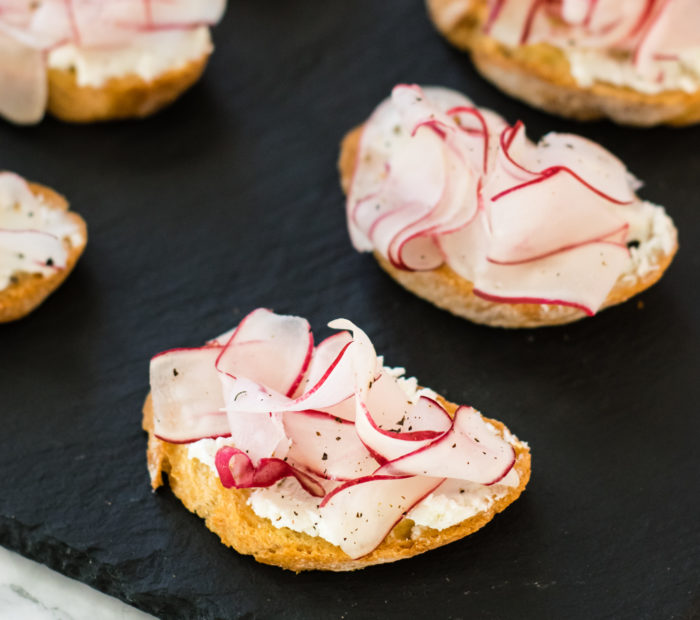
<point x="228" y="201"/>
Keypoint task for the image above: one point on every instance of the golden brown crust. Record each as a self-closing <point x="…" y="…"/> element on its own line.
<point x="227" y="514"/>
<point x="28" y="290"/>
<point x="447" y="290"/>
<point x="540" y="75"/>
<point x="122" y="97"/>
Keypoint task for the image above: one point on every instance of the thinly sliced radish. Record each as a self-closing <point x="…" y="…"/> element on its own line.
<point x="261" y="432"/>
<point x="263" y="336"/>
<point x="24" y="81"/>
<point x="390" y="426"/>
<point x="363" y="358"/>
<point x="580" y="277"/>
<point x="345" y="410"/>
<point x="323" y="357"/>
<point x="507" y="20"/>
<point x="188" y="404"/>
<point x="597" y="167"/>
<point x="562" y="213"/>
<point x="237" y="470"/>
<point x="336" y="385"/>
<point x="327" y="445"/>
<point x="672" y="29"/>
<point x="468" y="451"/>
<point x="360" y="513"/>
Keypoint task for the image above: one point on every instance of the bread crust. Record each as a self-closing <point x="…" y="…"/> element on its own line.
<point x="227" y="514"/>
<point x="447" y="290"/>
<point x="540" y="75"/>
<point x="29" y="290"/>
<point x="124" y="97"/>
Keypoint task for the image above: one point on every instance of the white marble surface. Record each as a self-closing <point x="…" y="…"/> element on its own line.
<point x="31" y="591"/>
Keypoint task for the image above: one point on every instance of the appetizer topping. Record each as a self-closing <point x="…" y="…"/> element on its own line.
<point x="651" y="45"/>
<point x="329" y="417"/>
<point x="32" y="235"/>
<point x="98" y="40"/>
<point x="439" y="181"/>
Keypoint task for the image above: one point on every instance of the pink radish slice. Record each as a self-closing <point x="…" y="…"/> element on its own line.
<point x="263" y="336"/>
<point x="261" y="433"/>
<point x="581" y="277"/>
<point x="597" y="167"/>
<point x="672" y="28"/>
<point x="24" y="82"/>
<point x="414" y="246"/>
<point x="513" y="162"/>
<point x="187" y="11"/>
<point x="323" y="357"/>
<point x="468" y="451"/>
<point x="327" y="446"/>
<point x="462" y="112"/>
<point x="561" y="213"/>
<point x="465" y="248"/>
<point x="335" y="386"/>
<point x="507" y="19"/>
<point x="237" y="470"/>
<point x="188" y="404"/>
<point x="359" y="514"/>
<point x="363" y="358"/>
<point x="345" y="410"/>
<point x="391" y="426"/>
<point x="576" y="12"/>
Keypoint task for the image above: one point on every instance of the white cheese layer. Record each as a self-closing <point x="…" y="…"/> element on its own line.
<point x="653" y="230"/>
<point x="286" y="504"/>
<point x="148" y="56"/>
<point x="22" y="211"/>
<point x="591" y="65"/>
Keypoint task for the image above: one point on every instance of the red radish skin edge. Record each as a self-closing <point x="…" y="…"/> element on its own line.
<point x="571" y="246"/>
<point x="193" y="440"/>
<point x="550" y="172"/>
<point x="443" y="437"/>
<point x="532" y="300"/>
<point x="280" y="469"/>
<point x="305" y="364"/>
<point x="506" y="143"/>
<point x="409" y="435"/>
<point x="480" y="117"/>
<point x="370" y="478"/>
<point x="493" y="15"/>
<point x="527" y="27"/>
<point x="304" y="367"/>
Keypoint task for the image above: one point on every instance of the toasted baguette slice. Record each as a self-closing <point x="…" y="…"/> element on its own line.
<point x="121" y="97"/>
<point x="540" y="75"/>
<point x="227" y="513"/>
<point x="28" y="290"/>
<point x="447" y="290"/>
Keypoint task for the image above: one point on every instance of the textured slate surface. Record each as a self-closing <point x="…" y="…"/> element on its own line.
<point x="228" y="201"/>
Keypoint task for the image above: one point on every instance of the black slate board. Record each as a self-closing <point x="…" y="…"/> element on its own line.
<point x="228" y="201"/>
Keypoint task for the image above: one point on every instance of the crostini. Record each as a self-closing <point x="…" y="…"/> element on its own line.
<point x="636" y="62"/>
<point x="85" y="61"/>
<point x="320" y="457"/>
<point x="40" y="243"/>
<point x="465" y="211"/>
